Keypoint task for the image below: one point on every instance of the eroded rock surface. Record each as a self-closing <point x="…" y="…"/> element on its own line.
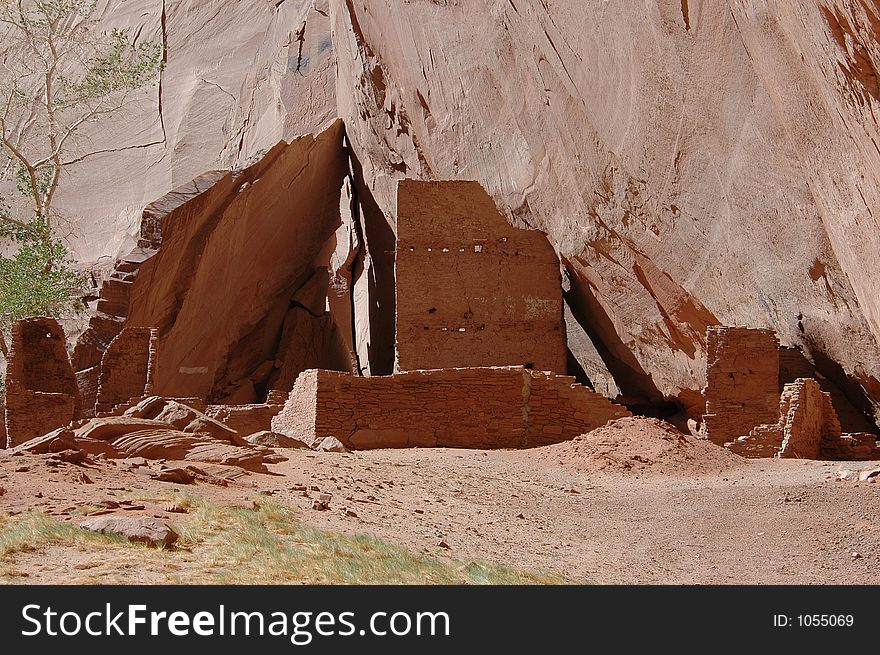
<point x="602" y="124"/>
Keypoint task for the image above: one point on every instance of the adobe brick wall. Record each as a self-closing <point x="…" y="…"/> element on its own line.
<point x="41" y="390"/>
<point x="742" y="381"/>
<point x="808" y="428"/>
<point x="87" y="381"/>
<point x="810" y="420"/>
<point x="126" y="368"/>
<point x="471" y="289"/>
<point x="503" y="407"/>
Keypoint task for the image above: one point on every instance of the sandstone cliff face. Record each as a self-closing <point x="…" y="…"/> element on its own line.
<point x="692" y="162"/>
<point x="240" y="76"/>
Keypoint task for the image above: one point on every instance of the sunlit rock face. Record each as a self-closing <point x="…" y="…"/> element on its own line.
<point x="240" y="76"/>
<point x="693" y="163"/>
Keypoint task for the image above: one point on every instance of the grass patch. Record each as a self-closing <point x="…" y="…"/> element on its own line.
<point x="232" y="545"/>
<point x="30" y="531"/>
<point x="269" y="544"/>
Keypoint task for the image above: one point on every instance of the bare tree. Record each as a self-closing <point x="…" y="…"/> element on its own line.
<point x="58" y="72"/>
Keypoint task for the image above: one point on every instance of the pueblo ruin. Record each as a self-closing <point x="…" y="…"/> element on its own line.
<point x="255" y="312"/>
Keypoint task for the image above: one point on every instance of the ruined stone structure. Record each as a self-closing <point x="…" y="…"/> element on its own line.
<point x="41" y="390"/>
<point x="2" y="423"/>
<point x="249" y="419"/>
<point x="504" y="407"/>
<point x="471" y="289"/>
<point x="742" y="381"/>
<point x="126" y="368"/>
<point x="808" y="428"/>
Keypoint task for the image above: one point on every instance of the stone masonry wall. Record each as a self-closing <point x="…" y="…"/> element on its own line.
<point x="248" y="419"/>
<point x="507" y="407"/>
<point x="742" y="381"/>
<point x="126" y="368"/>
<point x="471" y="289"/>
<point x="41" y="390"/>
<point x="809" y="422"/>
<point x="808" y="428"/>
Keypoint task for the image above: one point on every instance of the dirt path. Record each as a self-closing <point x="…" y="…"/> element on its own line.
<point x="760" y="521"/>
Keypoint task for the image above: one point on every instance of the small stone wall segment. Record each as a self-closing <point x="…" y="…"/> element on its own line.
<point x="472" y="290"/>
<point x="87" y="381"/>
<point x="808" y="428"/>
<point x="809" y="422"/>
<point x="126" y="368"/>
<point x="41" y="389"/>
<point x="742" y="381"/>
<point x="245" y="419"/>
<point x="503" y="407"/>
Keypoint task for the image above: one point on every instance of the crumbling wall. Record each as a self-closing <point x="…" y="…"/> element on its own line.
<point x="248" y="419"/>
<point x="87" y="381"/>
<point x="810" y="420"/>
<point x="742" y="381"/>
<point x="504" y="407"/>
<point x="41" y="390"/>
<point x="471" y="289"/>
<point x="127" y="368"/>
<point x="808" y="428"/>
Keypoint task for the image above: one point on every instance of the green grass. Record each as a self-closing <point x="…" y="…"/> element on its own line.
<point x="232" y="545"/>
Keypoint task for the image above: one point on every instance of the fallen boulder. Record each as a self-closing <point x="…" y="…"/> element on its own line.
<point x="274" y="440"/>
<point x="197" y="447"/>
<point x="135" y="529"/>
<point x="174" y="474"/>
<point x="55" y="442"/>
<point x="331" y="445"/>
<point x="868" y="474"/>
<point x="108" y="428"/>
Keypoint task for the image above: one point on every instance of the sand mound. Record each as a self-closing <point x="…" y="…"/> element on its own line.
<point x="641" y="445"/>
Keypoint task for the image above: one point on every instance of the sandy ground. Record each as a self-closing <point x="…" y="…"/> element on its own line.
<point x="747" y="521"/>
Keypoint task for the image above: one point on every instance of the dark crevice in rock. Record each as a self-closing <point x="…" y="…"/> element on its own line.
<point x="636" y="386"/>
<point x="379" y="241"/>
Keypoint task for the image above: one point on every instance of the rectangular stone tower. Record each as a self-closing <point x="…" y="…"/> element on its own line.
<point x="472" y="290"/>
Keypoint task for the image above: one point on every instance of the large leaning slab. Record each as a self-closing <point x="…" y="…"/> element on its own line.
<point x="218" y="269"/>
